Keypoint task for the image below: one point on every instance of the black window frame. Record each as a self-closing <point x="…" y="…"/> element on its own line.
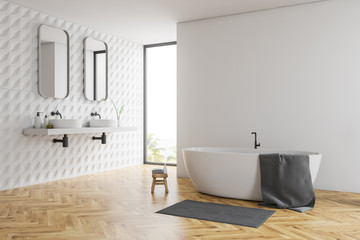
<point x="144" y="94"/>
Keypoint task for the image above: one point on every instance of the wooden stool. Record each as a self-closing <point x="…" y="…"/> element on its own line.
<point x="159" y="182"/>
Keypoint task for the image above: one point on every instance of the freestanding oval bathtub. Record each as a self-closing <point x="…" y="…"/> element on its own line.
<point x="233" y="172"/>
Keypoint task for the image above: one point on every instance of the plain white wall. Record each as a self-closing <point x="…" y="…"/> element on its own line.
<point x="60" y="70"/>
<point x="53" y="69"/>
<point x="89" y="74"/>
<point x="100" y="76"/>
<point x="47" y="69"/>
<point x="291" y="74"/>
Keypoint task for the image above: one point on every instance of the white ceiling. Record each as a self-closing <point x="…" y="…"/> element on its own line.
<point x="147" y="21"/>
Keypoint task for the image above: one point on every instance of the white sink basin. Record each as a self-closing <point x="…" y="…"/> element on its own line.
<point x="66" y="123"/>
<point x="103" y="123"/>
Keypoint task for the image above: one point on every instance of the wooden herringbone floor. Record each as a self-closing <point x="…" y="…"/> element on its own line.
<point x="119" y="205"/>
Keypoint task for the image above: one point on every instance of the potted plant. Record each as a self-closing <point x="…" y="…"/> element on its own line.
<point x="118" y="112"/>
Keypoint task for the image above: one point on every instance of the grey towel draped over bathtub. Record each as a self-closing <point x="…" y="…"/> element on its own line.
<point x="286" y="181"/>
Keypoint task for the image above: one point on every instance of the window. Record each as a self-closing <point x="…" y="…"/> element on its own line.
<point x="160" y="103"/>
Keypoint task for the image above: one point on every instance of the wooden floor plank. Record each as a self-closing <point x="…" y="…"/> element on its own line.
<point x="119" y="205"/>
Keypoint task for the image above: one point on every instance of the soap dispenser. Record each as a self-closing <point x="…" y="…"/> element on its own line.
<point x="38" y="120"/>
<point x="46" y="121"/>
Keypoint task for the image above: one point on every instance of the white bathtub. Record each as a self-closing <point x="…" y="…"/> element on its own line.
<point x="233" y="172"/>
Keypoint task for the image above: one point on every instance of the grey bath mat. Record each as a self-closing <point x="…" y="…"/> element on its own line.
<point x="249" y="217"/>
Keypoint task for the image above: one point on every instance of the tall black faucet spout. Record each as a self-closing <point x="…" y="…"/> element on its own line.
<point x="95" y="114"/>
<point x="56" y="113"/>
<point x="256" y="144"/>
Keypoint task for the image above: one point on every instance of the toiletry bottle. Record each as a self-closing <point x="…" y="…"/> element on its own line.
<point x="165" y="168"/>
<point x="38" y="120"/>
<point x="46" y="121"/>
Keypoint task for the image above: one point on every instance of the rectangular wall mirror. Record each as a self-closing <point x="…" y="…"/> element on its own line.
<point x="53" y="62"/>
<point x="95" y="69"/>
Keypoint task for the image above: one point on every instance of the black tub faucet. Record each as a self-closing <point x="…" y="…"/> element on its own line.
<point x="256" y="144"/>
<point x="56" y="113"/>
<point x="95" y="114"/>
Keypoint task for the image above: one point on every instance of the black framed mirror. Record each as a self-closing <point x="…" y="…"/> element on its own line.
<point x="53" y="62"/>
<point x="95" y="69"/>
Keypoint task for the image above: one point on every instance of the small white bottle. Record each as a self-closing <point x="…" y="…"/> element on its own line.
<point x="165" y="168"/>
<point x="38" y="120"/>
<point x="46" y="121"/>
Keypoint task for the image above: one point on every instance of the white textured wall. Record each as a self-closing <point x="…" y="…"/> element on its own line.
<point x="291" y="74"/>
<point x="26" y="160"/>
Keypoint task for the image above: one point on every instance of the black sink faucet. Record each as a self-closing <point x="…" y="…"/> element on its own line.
<point x="256" y="144"/>
<point x="95" y="114"/>
<point x="56" y="113"/>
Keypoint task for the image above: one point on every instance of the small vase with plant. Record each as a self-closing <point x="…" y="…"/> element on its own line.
<point x="118" y="112"/>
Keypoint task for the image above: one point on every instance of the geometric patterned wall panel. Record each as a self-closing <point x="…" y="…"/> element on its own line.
<point x="27" y="160"/>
